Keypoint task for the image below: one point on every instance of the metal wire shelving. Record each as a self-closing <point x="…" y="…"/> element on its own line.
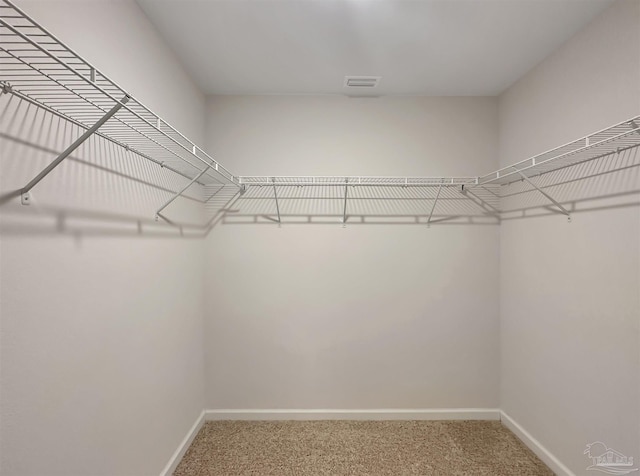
<point x="614" y="139"/>
<point x="38" y="68"/>
<point x="316" y="181"/>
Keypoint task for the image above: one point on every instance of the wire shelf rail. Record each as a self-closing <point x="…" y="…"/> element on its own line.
<point x="38" y="68"/>
<point x="301" y="181"/>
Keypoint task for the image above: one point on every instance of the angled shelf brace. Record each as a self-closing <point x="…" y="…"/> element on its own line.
<point x="434" y="205"/>
<point x="88" y="133"/>
<point x="563" y="210"/>
<point x="184" y="189"/>
<point x="97" y="133"/>
<point x="275" y="195"/>
<point x="489" y="209"/>
<point x="346" y="194"/>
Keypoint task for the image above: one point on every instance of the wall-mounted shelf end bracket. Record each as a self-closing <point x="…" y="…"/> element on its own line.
<point x="25" y="195"/>
<point x="562" y="209"/>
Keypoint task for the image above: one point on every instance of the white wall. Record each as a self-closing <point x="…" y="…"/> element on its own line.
<point x="101" y="308"/>
<point x="570" y="293"/>
<point x="317" y="316"/>
<point x="101" y="347"/>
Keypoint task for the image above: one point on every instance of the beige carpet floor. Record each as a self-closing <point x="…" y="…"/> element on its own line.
<point x="358" y="448"/>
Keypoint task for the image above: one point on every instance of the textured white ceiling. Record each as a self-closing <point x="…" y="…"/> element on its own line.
<point x="420" y="47"/>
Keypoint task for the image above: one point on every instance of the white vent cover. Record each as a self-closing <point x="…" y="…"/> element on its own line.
<point x="361" y="82"/>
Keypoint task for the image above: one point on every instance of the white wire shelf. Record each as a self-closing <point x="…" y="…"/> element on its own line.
<point x="612" y="140"/>
<point x="301" y="181"/>
<point x="39" y="68"/>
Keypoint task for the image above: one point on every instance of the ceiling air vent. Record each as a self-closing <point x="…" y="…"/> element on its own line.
<point x="361" y="82"/>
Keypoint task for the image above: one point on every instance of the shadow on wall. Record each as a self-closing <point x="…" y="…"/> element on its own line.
<point x="100" y="189"/>
<point x="104" y="189"/>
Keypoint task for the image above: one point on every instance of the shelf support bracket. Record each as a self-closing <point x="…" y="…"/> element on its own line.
<point x="88" y="133"/>
<point x="486" y="208"/>
<point x="474" y="198"/>
<point x="184" y="189"/>
<point x="434" y="205"/>
<point x="275" y="194"/>
<point x="346" y="195"/>
<point x="563" y="210"/>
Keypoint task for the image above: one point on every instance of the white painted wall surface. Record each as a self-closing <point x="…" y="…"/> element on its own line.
<point x="101" y="348"/>
<point x="363" y="317"/>
<point x="570" y="293"/>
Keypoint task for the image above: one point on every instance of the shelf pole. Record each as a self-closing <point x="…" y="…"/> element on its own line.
<point x="194" y="180"/>
<point x="88" y="133"/>
<point x="275" y="194"/>
<point x="346" y="193"/>
<point x="434" y="205"/>
<point x="549" y="197"/>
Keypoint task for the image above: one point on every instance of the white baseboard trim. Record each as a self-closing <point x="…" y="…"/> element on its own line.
<point x="374" y="414"/>
<point x="534" y="445"/>
<point x="183" y="447"/>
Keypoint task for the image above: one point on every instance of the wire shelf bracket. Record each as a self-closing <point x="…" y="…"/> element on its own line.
<point x="26" y="198"/>
<point x="562" y="209"/>
<point x="184" y="189"/>
<point x="275" y="195"/>
<point x="346" y="196"/>
<point x="434" y="206"/>
<point x="489" y="209"/>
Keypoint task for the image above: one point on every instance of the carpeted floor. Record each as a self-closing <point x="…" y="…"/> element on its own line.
<point x="358" y="448"/>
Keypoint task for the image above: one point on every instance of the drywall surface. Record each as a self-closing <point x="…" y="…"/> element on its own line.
<point x="570" y="293"/>
<point x="369" y="316"/>
<point x="101" y="307"/>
